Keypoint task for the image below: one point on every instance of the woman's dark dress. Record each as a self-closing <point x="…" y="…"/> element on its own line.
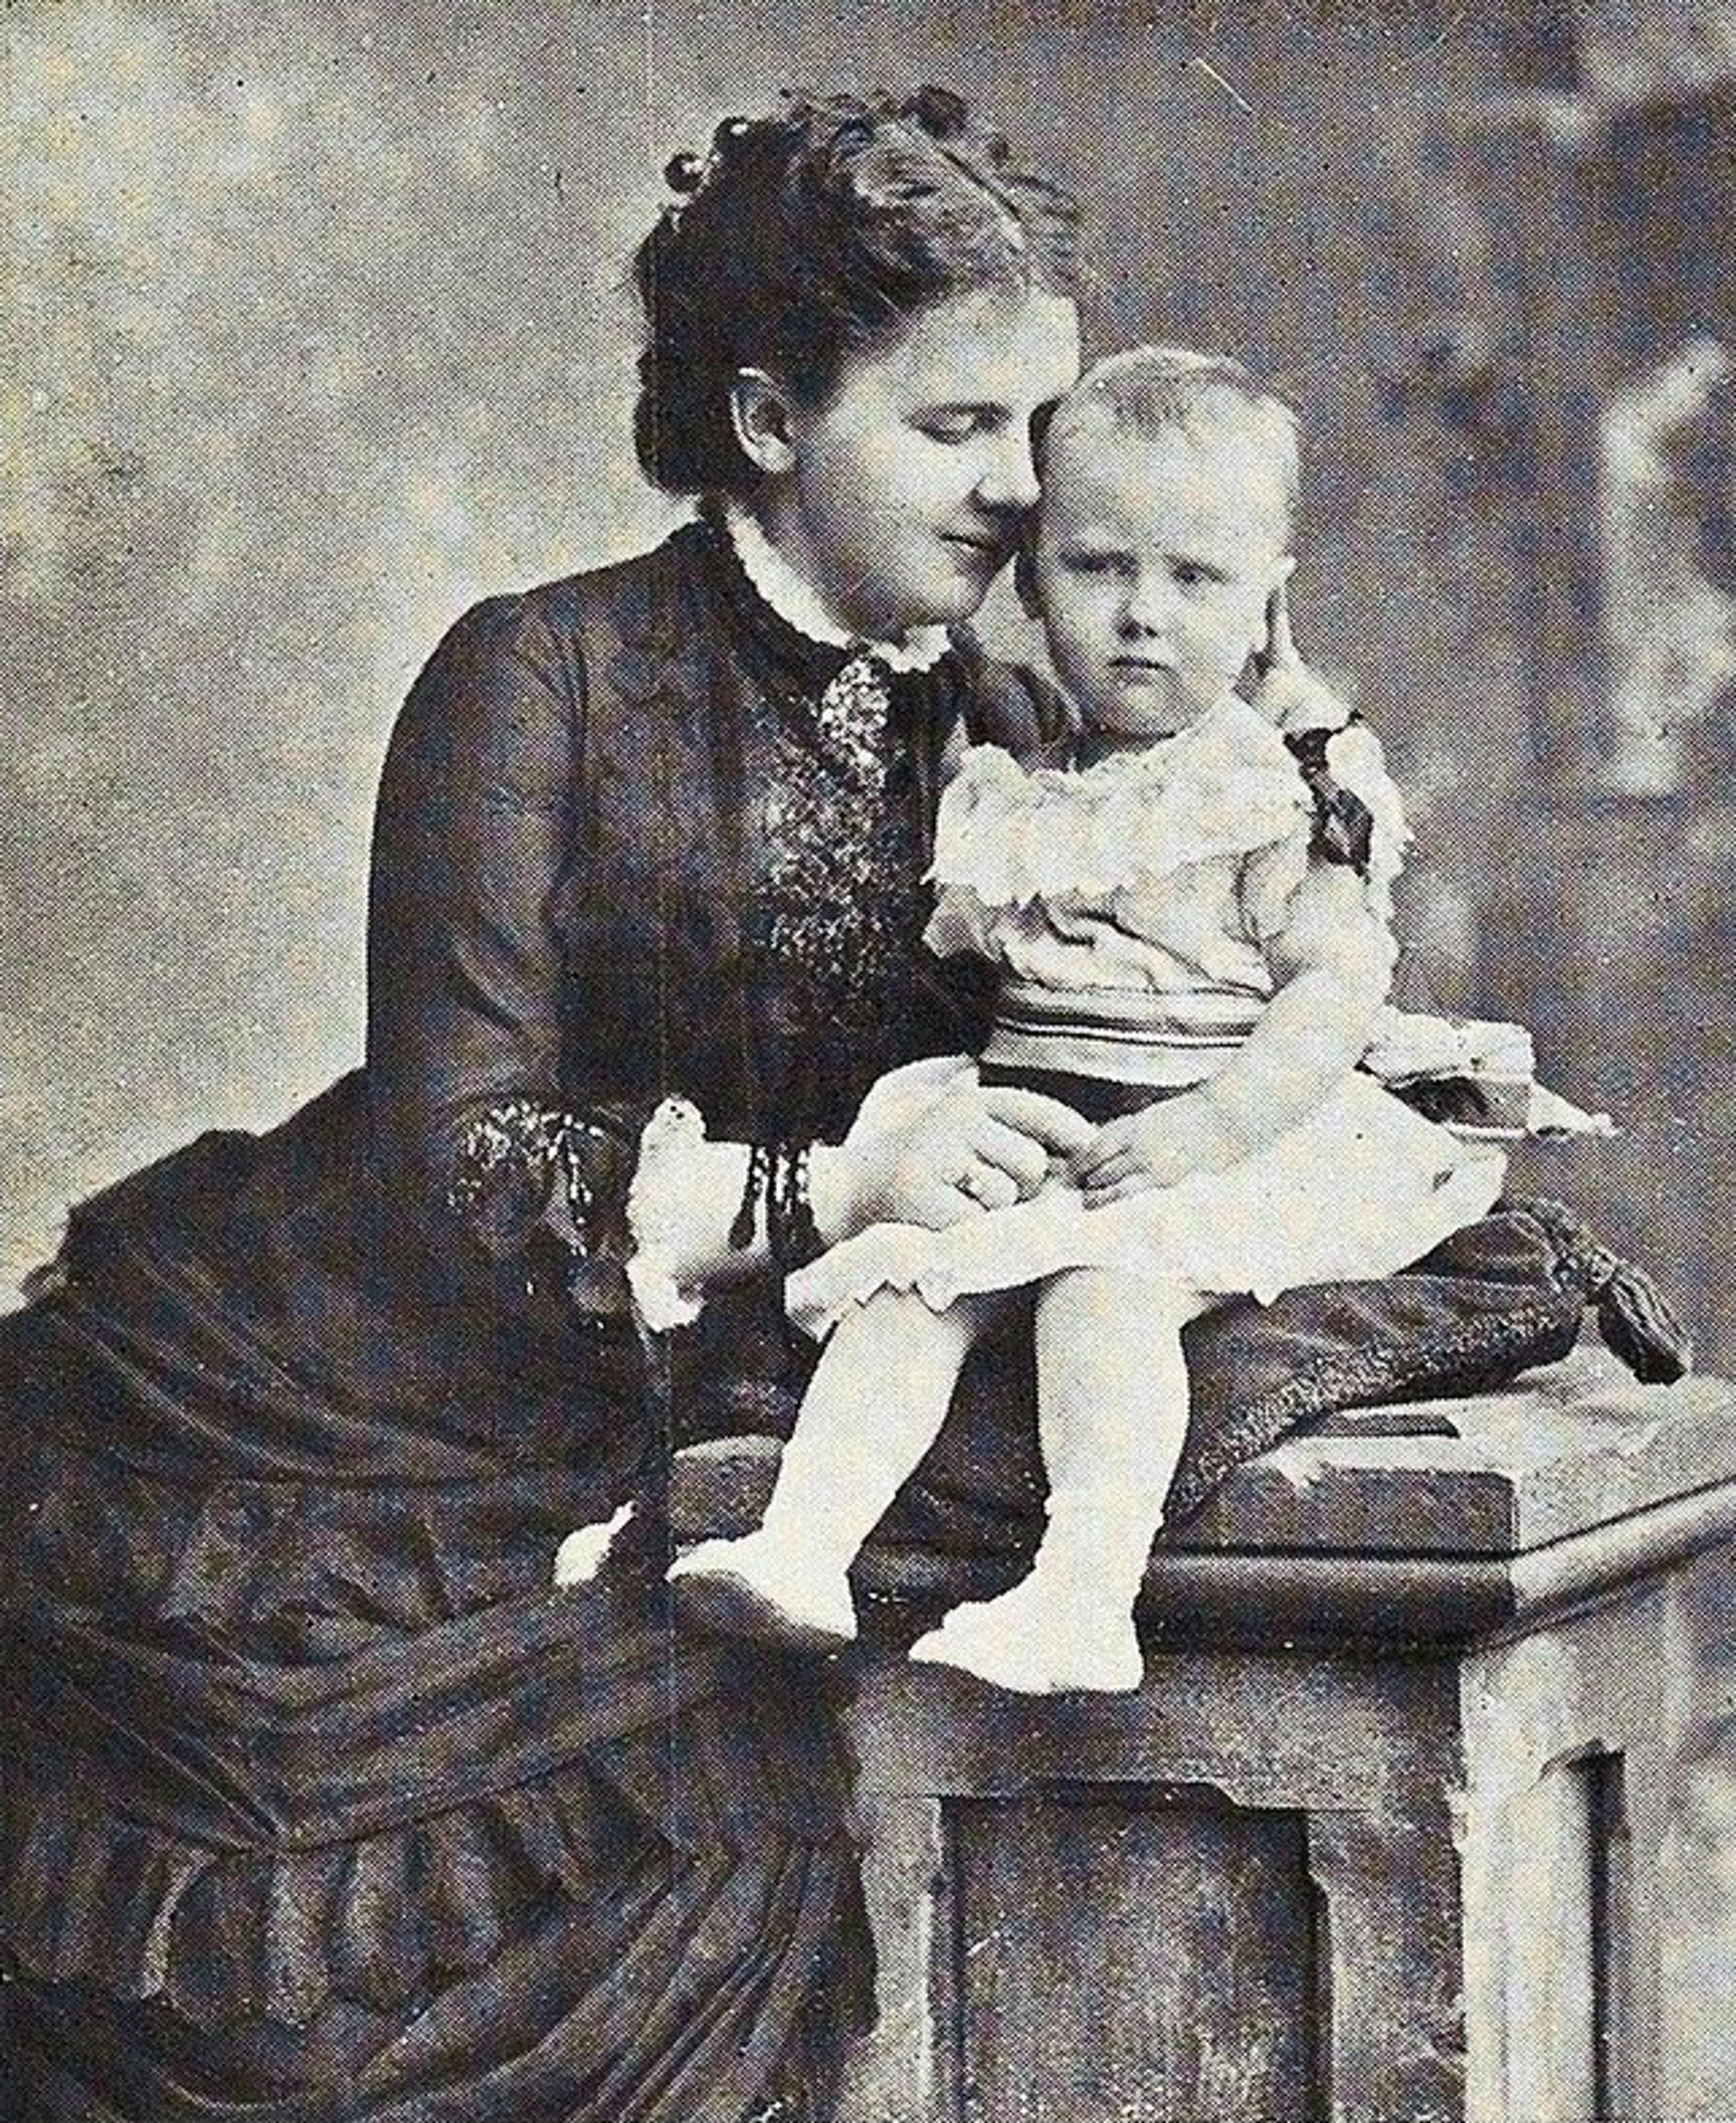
<point x="319" y="1804"/>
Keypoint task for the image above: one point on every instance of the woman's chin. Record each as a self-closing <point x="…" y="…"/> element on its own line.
<point x="958" y="591"/>
<point x="933" y="601"/>
<point x="941" y="604"/>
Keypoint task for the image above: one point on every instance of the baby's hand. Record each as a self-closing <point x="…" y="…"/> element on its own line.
<point x="1155" y="1148"/>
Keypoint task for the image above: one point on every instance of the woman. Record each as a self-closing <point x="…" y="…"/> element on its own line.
<point x="318" y="1807"/>
<point x="317" y="1804"/>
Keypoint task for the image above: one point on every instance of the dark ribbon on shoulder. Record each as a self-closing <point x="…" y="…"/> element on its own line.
<point x="1344" y="825"/>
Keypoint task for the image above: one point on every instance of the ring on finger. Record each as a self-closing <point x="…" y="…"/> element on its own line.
<point x="973" y="1184"/>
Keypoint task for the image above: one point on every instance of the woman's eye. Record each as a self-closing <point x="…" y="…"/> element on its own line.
<point x="958" y="427"/>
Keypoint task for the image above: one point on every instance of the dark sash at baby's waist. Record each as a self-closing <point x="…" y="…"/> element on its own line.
<point x="1132" y="1036"/>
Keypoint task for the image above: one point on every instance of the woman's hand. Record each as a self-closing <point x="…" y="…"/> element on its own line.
<point x="1155" y="1148"/>
<point x="966" y="1150"/>
<point x="1287" y="692"/>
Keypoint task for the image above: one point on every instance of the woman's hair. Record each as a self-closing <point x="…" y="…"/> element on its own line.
<point x="814" y="234"/>
<point x="1151" y="390"/>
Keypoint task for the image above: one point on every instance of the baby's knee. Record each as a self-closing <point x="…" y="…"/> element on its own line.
<point x="907" y="1316"/>
<point x="1114" y="1297"/>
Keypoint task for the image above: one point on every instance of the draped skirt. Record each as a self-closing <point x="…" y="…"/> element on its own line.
<point x="319" y="1804"/>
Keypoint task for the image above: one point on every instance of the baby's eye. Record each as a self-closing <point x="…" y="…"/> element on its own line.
<point x="1086" y="561"/>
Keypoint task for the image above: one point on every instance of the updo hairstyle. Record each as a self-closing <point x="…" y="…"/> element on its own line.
<point x="817" y="233"/>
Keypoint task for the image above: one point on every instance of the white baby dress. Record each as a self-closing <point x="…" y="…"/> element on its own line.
<point x="1135" y="901"/>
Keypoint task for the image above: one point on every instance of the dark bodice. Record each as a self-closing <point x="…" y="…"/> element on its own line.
<point x="615" y="859"/>
<point x="618" y="856"/>
<point x="294" y="1441"/>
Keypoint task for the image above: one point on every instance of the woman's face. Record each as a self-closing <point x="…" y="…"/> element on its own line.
<point x="905" y="491"/>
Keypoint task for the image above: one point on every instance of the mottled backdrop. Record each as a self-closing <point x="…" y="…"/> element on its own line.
<point x="315" y="328"/>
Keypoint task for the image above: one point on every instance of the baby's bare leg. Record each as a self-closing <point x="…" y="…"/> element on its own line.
<point x="1112" y="1390"/>
<point x="874" y="1406"/>
<point x="1112" y="1402"/>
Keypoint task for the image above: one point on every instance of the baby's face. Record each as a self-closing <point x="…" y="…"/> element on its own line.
<point x="1154" y="560"/>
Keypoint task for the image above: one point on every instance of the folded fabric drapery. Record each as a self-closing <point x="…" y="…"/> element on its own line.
<point x="252" y="1757"/>
<point x="312" y="1781"/>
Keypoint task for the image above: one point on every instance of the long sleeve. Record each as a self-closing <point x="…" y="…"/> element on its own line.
<point x="476" y="828"/>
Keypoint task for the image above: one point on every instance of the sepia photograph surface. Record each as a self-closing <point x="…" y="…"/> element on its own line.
<point x="865" y="1029"/>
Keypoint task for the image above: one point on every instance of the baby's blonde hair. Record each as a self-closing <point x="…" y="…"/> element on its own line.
<point x="1153" y="389"/>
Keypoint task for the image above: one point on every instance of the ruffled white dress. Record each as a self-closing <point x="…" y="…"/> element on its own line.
<point x="1133" y="906"/>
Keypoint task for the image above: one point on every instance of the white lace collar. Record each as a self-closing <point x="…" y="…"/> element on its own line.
<point x="798" y="604"/>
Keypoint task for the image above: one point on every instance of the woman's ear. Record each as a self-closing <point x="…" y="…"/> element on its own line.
<point x="759" y="413"/>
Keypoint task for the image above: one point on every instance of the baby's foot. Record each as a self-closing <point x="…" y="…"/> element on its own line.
<point x="1036" y="1643"/>
<point x="748" y="1587"/>
<point x="1104" y="1658"/>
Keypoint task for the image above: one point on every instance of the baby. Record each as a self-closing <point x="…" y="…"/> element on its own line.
<point x="1189" y="905"/>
